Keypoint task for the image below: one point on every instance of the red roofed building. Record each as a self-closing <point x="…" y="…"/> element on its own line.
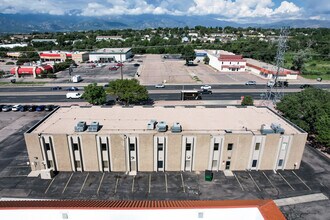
<point x="136" y="210"/>
<point x="269" y="71"/>
<point x="55" y="56"/>
<point x="30" y="70"/>
<point x="226" y="62"/>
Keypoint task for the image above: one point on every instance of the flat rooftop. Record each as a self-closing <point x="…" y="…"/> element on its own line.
<point x="135" y="119"/>
<point x="112" y="50"/>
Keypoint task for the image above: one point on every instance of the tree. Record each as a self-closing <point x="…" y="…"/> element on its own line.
<point x="206" y="60"/>
<point x="247" y="100"/>
<point x="310" y="110"/>
<point x="94" y="94"/>
<point x="128" y="90"/>
<point x="188" y="53"/>
<point x="299" y="60"/>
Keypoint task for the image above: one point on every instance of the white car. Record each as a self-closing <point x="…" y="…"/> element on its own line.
<point x="271" y="83"/>
<point x="160" y="86"/>
<point x="251" y="83"/>
<point x="16" y="108"/>
<point x="73" y="95"/>
<point x="206" y="87"/>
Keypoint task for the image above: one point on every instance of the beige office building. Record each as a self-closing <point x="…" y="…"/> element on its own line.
<point x="132" y="139"/>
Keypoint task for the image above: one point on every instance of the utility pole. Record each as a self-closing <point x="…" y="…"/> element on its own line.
<point x="121" y="65"/>
<point x="274" y="93"/>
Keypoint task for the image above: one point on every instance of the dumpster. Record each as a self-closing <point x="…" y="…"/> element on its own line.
<point x="208" y="175"/>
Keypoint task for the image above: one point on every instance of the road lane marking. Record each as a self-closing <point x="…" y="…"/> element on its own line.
<point x="238" y="182"/>
<point x="82" y="187"/>
<point x="149" y="183"/>
<point x="133" y="183"/>
<point x="116" y="185"/>
<point x="50" y="185"/>
<point x="67" y="183"/>
<point x="285" y="180"/>
<point x="269" y="180"/>
<point x="98" y="189"/>
<point x="166" y="183"/>
<point x="254" y="182"/>
<point x="301" y="180"/>
<point x="183" y="187"/>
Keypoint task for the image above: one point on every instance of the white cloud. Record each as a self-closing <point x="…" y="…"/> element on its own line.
<point x="239" y="10"/>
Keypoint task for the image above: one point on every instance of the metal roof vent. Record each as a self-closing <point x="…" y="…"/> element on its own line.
<point x="277" y="128"/>
<point x="176" y="128"/>
<point x="151" y="124"/>
<point x="94" y="127"/>
<point x="80" y="127"/>
<point x="266" y="129"/>
<point x="162" y="126"/>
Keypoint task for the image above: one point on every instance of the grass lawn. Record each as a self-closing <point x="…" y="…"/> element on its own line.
<point x="324" y="76"/>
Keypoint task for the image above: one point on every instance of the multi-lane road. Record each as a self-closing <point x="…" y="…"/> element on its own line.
<point x="44" y="94"/>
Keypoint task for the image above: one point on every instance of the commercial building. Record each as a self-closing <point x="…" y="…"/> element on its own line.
<point x="61" y="56"/>
<point x="184" y="139"/>
<point x="225" y="61"/>
<point x="269" y="71"/>
<point x="111" y="55"/>
<point x="31" y="70"/>
<point x="44" y="41"/>
<point x="13" y="45"/>
<point x="107" y="38"/>
<point x="136" y="210"/>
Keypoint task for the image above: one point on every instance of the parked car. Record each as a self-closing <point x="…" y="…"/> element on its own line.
<point x="16" y="108"/>
<point x="32" y="108"/>
<point x="72" y="89"/>
<point x="206" y="87"/>
<point x="56" y="88"/>
<point x="304" y="86"/>
<point x="1" y="108"/>
<point x="49" y="107"/>
<point x="40" y="108"/>
<point x="251" y="83"/>
<point x="136" y="64"/>
<point x="6" y="108"/>
<point x="113" y="68"/>
<point x="73" y="95"/>
<point x="160" y="85"/>
<point x="24" y="108"/>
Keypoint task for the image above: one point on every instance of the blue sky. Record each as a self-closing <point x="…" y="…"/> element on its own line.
<point x="259" y="11"/>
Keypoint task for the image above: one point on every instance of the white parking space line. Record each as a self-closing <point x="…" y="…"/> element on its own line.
<point x="133" y="183"/>
<point x="285" y="180"/>
<point x="117" y="180"/>
<point x="301" y="180"/>
<point x="98" y="189"/>
<point x="67" y="183"/>
<point x="166" y="183"/>
<point x="50" y="185"/>
<point x="183" y="187"/>
<point x="149" y="183"/>
<point x="269" y="180"/>
<point x="254" y="182"/>
<point x="238" y="182"/>
<point x="82" y="187"/>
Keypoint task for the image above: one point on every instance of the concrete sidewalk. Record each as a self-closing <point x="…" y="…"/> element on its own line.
<point x="301" y="199"/>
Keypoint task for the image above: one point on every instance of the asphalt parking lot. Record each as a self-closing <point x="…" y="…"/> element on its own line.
<point x="312" y="177"/>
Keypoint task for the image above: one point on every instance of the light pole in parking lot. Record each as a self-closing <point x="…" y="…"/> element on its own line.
<point x="121" y="65"/>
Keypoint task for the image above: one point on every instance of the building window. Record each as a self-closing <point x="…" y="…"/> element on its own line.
<point x="216" y="146"/>
<point x="103" y="146"/>
<point x="280" y="163"/>
<point x="222" y="62"/>
<point x="77" y="164"/>
<point x="257" y="147"/>
<point x="227" y="165"/>
<point x="47" y="146"/>
<point x="160" y="164"/>
<point x="132" y="147"/>
<point x="230" y="146"/>
<point x="188" y="146"/>
<point x="105" y="164"/>
<point x="237" y="62"/>
<point x="254" y="163"/>
<point x="229" y="62"/>
<point x="160" y="147"/>
<point x="75" y="146"/>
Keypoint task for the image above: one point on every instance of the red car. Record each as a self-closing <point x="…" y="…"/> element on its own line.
<point x="113" y="68"/>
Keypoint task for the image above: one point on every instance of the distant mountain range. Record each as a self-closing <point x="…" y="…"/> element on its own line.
<point x="27" y="23"/>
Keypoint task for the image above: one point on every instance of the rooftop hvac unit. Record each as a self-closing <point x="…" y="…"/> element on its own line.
<point x="176" y="128"/>
<point x="151" y="124"/>
<point x="80" y="127"/>
<point x="162" y="126"/>
<point x="277" y="128"/>
<point x="94" y="127"/>
<point x="266" y="129"/>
